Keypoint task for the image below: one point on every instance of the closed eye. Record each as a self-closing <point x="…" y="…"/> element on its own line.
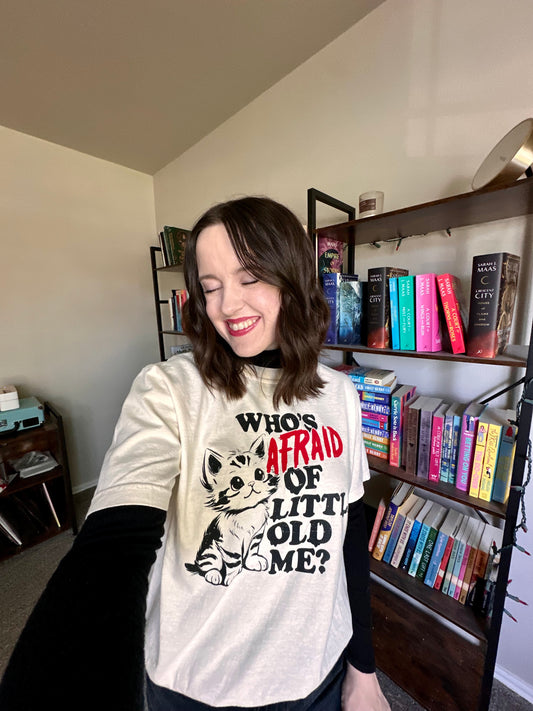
<point x="252" y="281"/>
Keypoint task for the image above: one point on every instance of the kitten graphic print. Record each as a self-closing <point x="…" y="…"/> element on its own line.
<point x="272" y="513"/>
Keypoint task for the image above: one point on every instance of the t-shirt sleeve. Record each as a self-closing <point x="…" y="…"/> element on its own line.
<point x="143" y="461"/>
<point x="361" y="472"/>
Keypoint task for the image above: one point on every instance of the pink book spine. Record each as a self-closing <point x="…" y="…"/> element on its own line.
<point x="434" y="334"/>
<point x="460" y="577"/>
<point x="423" y="312"/>
<point x="436" y="447"/>
<point x="448" y="286"/>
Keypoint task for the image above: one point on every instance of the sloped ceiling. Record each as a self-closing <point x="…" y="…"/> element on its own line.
<point x="137" y="82"/>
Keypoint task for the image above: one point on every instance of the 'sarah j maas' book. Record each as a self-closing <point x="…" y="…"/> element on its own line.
<point x="453" y="308"/>
<point x="492" y="300"/>
<point x="378" y="306"/>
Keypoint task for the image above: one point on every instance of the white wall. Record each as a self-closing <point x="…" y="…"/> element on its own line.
<point x="410" y="101"/>
<point x="77" y="314"/>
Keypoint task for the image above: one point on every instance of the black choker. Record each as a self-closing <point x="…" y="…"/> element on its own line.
<point x="267" y="359"/>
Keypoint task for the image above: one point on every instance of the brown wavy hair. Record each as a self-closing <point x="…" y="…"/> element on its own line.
<point x="272" y="246"/>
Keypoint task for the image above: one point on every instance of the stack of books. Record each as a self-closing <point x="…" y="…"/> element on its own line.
<point x="443" y="548"/>
<point x="375" y="387"/>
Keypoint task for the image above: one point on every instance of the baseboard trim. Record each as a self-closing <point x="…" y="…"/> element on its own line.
<point x="513" y="682"/>
<point x="83" y="487"/>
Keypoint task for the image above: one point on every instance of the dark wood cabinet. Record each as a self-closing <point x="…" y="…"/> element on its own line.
<point x="24" y="501"/>
<point x="442" y="653"/>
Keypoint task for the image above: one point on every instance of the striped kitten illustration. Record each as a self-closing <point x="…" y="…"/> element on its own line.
<point x="239" y="487"/>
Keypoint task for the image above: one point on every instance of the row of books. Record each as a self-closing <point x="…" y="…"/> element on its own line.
<point x="27" y="513"/>
<point x="471" y="446"/>
<point x="447" y="550"/>
<point x="172" y="243"/>
<point x="425" y="312"/>
<point x="175" y="305"/>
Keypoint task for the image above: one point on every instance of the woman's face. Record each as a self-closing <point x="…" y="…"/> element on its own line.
<point x="242" y="309"/>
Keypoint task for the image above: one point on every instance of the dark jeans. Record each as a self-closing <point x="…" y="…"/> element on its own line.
<point x="327" y="697"/>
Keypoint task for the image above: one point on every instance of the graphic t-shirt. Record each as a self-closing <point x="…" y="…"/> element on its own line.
<point x="247" y="602"/>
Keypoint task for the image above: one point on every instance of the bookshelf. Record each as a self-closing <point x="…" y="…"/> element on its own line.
<point x="49" y="436"/>
<point x="439" y="651"/>
<point x="160" y="304"/>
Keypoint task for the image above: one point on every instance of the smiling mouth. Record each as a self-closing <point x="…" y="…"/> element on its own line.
<point x="242" y="327"/>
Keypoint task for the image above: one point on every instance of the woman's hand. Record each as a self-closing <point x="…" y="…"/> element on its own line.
<point x="361" y="692"/>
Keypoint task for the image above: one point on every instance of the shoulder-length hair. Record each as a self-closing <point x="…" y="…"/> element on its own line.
<point x="272" y="246"/>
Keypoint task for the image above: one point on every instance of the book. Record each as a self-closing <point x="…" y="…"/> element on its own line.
<point x="403" y="538"/>
<point x="374" y="419"/>
<point x="366" y="395"/>
<point x="498" y="420"/>
<point x="382" y="389"/>
<point x="427" y="321"/>
<point x="446" y="555"/>
<point x="406" y="317"/>
<point x="424" y="435"/>
<point x="174" y="239"/>
<point x="372" y="376"/>
<point x="450" y="442"/>
<point x="453" y="555"/>
<point x="437" y="430"/>
<point x="461" y="591"/>
<point x="330" y="253"/>
<point x="478" y="455"/>
<point x="374" y="407"/>
<point x="461" y="541"/>
<point x="504" y="466"/>
<point x="412" y="422"/>
<point x="426" y="540"/>
<point x="491" y="535"/>
<point x="394" y="314"/>
<point x="378" y="305"/>
<point x="472" y="542"/>
<point x="413" y="536"/>
<point x="449" y="527"/>
<point x="402" y="395"/>
<point x="453" y="309"/>
<point x="162" y="247"/>
<point x="401" y="492"/>
<point x="492" y="299"/>
<point x="377" y="524"/>
<point x="350" y="310"/>
<point x="330" y="286"/>
<point x="397" y="527"/>
<point x="467" y="437"/>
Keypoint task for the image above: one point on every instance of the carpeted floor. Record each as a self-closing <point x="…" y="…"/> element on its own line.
<point x="23" y="577"/>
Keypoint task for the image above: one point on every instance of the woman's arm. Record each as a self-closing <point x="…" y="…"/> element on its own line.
<point x="83" y="645"/>
<point x="361" y="687"/>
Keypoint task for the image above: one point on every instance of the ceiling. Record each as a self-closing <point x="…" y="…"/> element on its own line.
<point x="137" y="82"/>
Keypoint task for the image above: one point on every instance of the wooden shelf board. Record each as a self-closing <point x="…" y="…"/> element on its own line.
<point x="445" y="606"/>
<point x="442" y="489"/>
<point x="505" y="359"/>
<point x="462" y="210"/>
<point x="20" y="483"/>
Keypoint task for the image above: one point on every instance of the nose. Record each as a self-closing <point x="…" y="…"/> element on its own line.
<point x="231" y="299"/>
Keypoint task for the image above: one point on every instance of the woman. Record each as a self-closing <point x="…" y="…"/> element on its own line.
<point x="245" y="459"/>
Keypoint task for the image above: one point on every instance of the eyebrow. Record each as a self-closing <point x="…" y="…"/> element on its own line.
<point x="201" y="277"/>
